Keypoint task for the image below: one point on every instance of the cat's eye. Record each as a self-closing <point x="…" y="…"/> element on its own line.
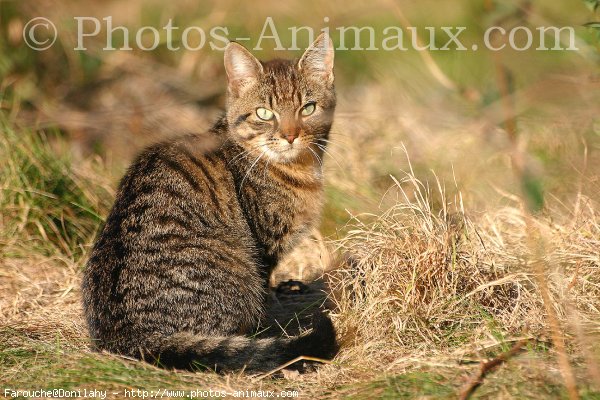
<point x="264" y="114"/>
<point x="308" y="109"/>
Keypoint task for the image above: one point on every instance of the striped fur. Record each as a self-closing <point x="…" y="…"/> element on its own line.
<point x="179" y="273"/>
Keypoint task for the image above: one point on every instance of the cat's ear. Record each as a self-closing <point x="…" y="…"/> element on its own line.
<point x="243" y="69"/>
<point x="317" y="60"/>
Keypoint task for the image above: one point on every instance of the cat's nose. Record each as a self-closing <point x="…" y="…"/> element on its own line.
<point x="290" y="137"/>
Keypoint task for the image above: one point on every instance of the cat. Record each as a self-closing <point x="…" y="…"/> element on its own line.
<point x="179" y="274"/>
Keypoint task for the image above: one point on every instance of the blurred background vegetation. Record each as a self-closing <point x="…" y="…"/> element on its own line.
<point x="112" y="103"/>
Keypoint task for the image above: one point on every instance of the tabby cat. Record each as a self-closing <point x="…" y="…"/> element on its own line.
<point x="179" y="274"/>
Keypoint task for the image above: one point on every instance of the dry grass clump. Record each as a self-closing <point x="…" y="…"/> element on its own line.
<point x="424" y="278"/>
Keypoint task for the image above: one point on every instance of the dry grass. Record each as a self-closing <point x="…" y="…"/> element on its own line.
<point x="430" y="284"/>
<point x="422" y="282"/>
<point x="425" y="286"/>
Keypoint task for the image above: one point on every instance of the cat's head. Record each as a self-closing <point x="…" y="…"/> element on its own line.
<point x="281" y="109"/>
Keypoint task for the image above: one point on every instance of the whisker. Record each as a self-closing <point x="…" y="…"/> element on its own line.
<point x="250" y="169"/>
<point x="336" y="142"/>
<point x="330" y="148"/>
<point x="316" y="156"/>
<point x="323" y="149"/>
<point x="266" y="168"/>
<point x="244" y="154"/>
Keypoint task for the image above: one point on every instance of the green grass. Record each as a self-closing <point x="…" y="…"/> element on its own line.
<point x="418" y="384"/>
<point x="49" y="205"/>
<point x="27" y="362"/>
<point x="30" y="363"/>
<point x="517" y="379"/>
<point x="59" y="365"/>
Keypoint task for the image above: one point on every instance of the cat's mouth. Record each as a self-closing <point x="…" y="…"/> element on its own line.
<point x="284" y="152"/>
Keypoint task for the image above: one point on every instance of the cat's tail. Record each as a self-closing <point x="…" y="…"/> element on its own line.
<point x="235" y="353"/>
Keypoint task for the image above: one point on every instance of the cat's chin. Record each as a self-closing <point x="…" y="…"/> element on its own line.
<point x="285" y="156"/>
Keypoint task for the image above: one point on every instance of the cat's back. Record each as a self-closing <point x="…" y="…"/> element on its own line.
<point x="188" y="175"/>
<point x="175" y="209"/>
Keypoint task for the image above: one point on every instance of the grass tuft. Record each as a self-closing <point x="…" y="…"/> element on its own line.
<point x="420" y="281"/>
<point x="51" y="204"/>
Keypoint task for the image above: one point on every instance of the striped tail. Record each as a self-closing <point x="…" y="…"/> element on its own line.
<point x="234" y="353"/>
